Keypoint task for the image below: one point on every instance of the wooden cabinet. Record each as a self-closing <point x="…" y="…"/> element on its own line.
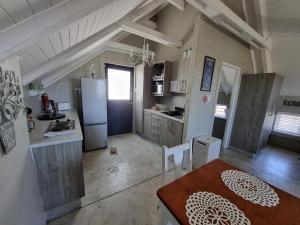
<point x="143" y="97"/>
<point x="255" y="112"/>
<point x="162" y="76"/>
<point x="147" y="125"/>
<point x="162" y="130"/>
<point x="60" y="173"/>
<point x="155" y="127"/>
<point x="171" y="132"/>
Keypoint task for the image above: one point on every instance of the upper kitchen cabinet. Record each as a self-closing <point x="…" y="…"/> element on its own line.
<point x="161" y="79"/>
<point x="180" y="75"/>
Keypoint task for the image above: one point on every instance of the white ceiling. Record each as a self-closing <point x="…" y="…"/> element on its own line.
<point x="14" y="11"/>
<point x="283" y="16"/>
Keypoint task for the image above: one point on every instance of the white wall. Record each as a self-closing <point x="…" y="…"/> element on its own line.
<point x="20" y="200"/>
<point x="211" y="41"/>
<point x="285" y="61"/>
<point x="282" y="24"/>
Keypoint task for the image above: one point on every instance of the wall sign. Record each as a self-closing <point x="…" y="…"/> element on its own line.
<point x="208" y="72"/>
<point x="11" y="104"/>
<point x="205" y="98"/>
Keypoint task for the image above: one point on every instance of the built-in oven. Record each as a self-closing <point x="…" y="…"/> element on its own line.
<point x="157" y="88"/>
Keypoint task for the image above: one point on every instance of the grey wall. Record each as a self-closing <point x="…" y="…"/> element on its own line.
<point x="290" y="109"/>
<point x="179" y="25"/>
<point x="20" y="200"/>
<point x="211" y="41"/>
<point x="63" y="90"/>
<point x="283" y="29"/>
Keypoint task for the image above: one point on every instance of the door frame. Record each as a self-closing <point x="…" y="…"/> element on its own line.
<point x="233" y="101"/>
<point x="132" y="78"/>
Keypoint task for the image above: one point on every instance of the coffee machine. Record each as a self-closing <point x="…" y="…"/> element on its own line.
<point x="49" y="110"/>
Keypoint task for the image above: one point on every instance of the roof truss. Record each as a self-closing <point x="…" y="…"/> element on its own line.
<point x="82" y="51"/>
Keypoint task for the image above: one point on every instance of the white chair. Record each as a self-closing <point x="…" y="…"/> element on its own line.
<point x="182" y="158"/>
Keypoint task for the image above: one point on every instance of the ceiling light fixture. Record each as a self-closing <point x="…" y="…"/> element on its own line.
<point x="145" y="57"/>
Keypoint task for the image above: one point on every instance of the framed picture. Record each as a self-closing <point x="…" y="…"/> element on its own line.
<point x="208" y="72"/>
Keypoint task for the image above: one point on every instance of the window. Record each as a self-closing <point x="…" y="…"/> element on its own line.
<point x="118" y="84"/>
<point x="220" y="111"/>
<point x="287" y="123"/>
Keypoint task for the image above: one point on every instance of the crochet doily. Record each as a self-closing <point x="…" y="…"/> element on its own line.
<point x="205" y="208"/>
<point x="250" y="188"/>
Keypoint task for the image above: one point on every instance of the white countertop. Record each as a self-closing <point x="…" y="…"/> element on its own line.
<point x="37" y="138"/>
<point x="159" y="112"/>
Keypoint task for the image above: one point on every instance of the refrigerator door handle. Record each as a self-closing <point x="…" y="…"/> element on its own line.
<point x="95" y="124"/>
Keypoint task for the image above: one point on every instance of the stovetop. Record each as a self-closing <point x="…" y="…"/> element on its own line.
<point x="58" y="126"/>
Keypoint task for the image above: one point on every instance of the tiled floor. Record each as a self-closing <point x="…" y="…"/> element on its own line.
<point x="104" y="173"/>
<point x="133" y="175"/>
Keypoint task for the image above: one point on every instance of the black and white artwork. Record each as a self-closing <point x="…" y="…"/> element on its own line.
<point x="11" y="104"/>
<point x="208" y="72"/>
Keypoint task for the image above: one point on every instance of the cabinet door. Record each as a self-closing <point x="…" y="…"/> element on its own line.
<point x="60" y="173"/>
<point x="174" y="134"/>
<point x="147" y="125"/>
<point x="155" y="127"/>
<point x="164" y="131"/>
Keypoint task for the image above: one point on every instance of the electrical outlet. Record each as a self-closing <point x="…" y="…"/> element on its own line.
<point x="77" y="91"/>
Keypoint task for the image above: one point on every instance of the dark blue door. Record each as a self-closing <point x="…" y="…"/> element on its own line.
<point x="119" y="99"/>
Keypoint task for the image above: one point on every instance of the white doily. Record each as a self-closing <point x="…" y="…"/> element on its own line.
<point x="250" y="188"/>
<point x="204" y="208"/>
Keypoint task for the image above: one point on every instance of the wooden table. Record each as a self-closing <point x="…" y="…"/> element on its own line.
<point x="208" y="178"/>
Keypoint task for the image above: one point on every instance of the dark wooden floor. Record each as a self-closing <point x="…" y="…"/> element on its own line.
<point x="276" y="166"/>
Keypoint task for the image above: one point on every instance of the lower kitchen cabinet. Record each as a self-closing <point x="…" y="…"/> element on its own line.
<point x="155" y="127"/>
<point x="162" y="130"/>
<point x="147" y="124"/>
<point x="171" y="132"/>
<point x="60" y="173"/>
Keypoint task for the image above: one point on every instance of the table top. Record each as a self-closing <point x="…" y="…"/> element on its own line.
<point x="208" y="178"/>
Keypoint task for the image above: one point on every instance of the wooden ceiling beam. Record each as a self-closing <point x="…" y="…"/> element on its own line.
<point x="111" y="46"/>
<point x="180" y="4"/>
<point x="64" y="71"/>
<point x="72" y="54"/>
<point x="149" y="33"/>
<point x="218" y="12"/>
<point x="124" y="48"/>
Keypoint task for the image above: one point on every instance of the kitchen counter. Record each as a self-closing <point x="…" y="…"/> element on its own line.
<point x="37" y="138"/>
<point x="159" y="112"/>
<point x="58" y="162"/>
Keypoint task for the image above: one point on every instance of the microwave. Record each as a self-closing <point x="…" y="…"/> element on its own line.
<point x="157" y="88"/>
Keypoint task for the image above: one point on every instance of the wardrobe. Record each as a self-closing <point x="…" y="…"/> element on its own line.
<point x="255" y="112"/>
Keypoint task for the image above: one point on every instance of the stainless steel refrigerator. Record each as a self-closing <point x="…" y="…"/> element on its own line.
<point x="94" y="110"/>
